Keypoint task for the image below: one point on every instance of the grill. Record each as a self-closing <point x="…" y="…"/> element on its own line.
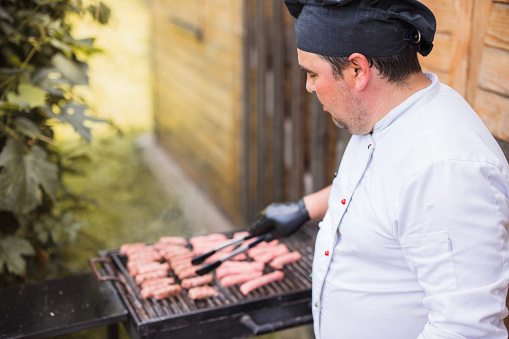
<point x="230" y="314"/>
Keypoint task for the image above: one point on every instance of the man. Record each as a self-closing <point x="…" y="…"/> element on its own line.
<point x="413" y="241"/>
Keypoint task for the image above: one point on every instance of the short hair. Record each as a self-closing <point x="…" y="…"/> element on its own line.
<point x="396" y="68"/>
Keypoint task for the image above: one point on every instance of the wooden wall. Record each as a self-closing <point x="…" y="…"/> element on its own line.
<point x="197" y="85"/>
<point x="471" y="55"/>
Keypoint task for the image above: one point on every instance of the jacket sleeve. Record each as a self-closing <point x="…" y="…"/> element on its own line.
<point x="452" y="223"/>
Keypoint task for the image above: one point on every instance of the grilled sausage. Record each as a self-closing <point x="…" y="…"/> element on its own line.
<point x="197" y="281"/>
<point x="158" y="282"/>
<point x="234" y="279"/>
<point x="153" y="266"/>
<point x="269" y="255"/>
<point x="236" y="267"/>
<point x="265" y="279"/>
<point x="201" y="292"/>
<point x="173" y="240"/>
<point x="284" y="259"/>
<point x="167" y="291"/>
<point x="150" y="275"/>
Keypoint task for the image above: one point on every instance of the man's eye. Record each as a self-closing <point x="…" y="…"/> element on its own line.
<point x="312" y="75"/>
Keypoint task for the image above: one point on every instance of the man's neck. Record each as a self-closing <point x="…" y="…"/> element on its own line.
<point x="385" y="96"/>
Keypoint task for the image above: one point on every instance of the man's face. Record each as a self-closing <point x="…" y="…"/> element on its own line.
<point x="334" y="93"/>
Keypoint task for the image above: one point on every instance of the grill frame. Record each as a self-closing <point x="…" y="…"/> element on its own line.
<point x="274" y="307"/>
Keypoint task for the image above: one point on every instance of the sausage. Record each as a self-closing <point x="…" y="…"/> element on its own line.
<point x="201" y="292"/>
<point x="145" y="255"/>
<point x="174" y="258"/>
<point x="167" y="291"/>
<point x="153" y="266"/>
<point x="158" y="282"/>
<point x="197" y="281"/>
<point x="130" y="248"/>
<point x="265" y="279"/>
<point x="134" y="265"/>
<point x="181" y="267"/>
<point x="173" y="240"/>
<point x="150" y="275"/>
<point x="201" y="241"/>
<point x="187" y="272"/>
<point x="236" y="267"/>
<point x="264" y="247"/>
<point x="284" y="259"/>
<point x="234" y="279"/>
<point x="173" y="250"/>
<point x="269" y="255"/>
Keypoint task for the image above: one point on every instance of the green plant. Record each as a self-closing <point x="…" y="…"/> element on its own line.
<point x="41" y="66"/>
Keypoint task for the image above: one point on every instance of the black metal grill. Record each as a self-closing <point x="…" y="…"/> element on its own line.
<point x="230" y="314"/>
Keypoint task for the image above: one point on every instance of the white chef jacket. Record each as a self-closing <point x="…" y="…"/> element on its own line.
<point x="415" y="241"/>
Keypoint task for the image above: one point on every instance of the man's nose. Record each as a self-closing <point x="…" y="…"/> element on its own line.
<point x="310" y="85"/>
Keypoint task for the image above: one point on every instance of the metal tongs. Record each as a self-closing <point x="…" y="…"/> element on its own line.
<point x="207" y="268"/>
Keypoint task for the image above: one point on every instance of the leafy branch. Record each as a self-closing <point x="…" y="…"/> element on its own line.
<point x="39" y="69"/>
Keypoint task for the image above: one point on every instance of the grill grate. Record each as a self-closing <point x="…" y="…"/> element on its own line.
<point x="181" y="311"/>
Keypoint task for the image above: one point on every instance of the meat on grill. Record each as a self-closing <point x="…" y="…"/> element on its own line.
<point x="285" y="259"/>
<point x="201" y="292"/>
<point x="233" y="267"/>
<point x="173" y="240"/>
<point x="130" y="248"/>
<point x="197" y="281"/>
<point x="150" y="275"/>
<point x="149" y="267"/>
<point x="187" y="272"/>
<point x="158" y="282"/>
<point x="271" y="254"/>
<point x="167" y="291"/>
<point x="265" y="279"/>
<point x="239" y="278"/>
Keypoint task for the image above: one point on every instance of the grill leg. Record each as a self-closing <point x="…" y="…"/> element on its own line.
<point x="112" y="331"/>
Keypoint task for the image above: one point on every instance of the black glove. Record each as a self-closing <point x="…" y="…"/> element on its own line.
<point x="280" y="220"/>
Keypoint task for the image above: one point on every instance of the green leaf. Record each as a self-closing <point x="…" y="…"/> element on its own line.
<point x="74" y="71"/>
<point x="100" y="13"/>
<point x="27" y="127"/>
<point x="75" y="115"/>
<point x="12" y="250"/>
<point x="23" y="175"/>
<point x="28" y="96"/>
<point x="49" y="78"/>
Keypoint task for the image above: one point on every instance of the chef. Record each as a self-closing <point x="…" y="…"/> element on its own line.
<point x="413" y="238"/>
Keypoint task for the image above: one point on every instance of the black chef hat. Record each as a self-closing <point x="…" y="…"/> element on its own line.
<point x="375" y="28"/>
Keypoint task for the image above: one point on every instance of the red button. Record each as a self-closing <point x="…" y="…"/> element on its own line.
<point x="326" y="253"/>
<point x="343" y="201"/>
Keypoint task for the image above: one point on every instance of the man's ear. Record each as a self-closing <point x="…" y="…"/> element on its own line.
<point x="361" y="70"/>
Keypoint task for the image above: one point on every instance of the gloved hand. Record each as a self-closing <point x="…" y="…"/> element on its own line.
<point x="280" y="220"/>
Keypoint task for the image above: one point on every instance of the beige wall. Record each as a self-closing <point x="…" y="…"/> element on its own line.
<point x="197" y="62"/>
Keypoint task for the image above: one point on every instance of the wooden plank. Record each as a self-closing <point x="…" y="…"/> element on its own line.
<point x="461" y="45"/>
<point x="440" y="56"/>
<point x="494" y="71"/>
<point x="247" y="214"/>
<point x="279" y="100"/>
<point x="443" y="11"/>
<point x="297" y="118"/>
<point x="481" y="11"/>
<point x="261" y="41"/>
<point x="497" y="34"/>
<point x="494" y="111"/>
